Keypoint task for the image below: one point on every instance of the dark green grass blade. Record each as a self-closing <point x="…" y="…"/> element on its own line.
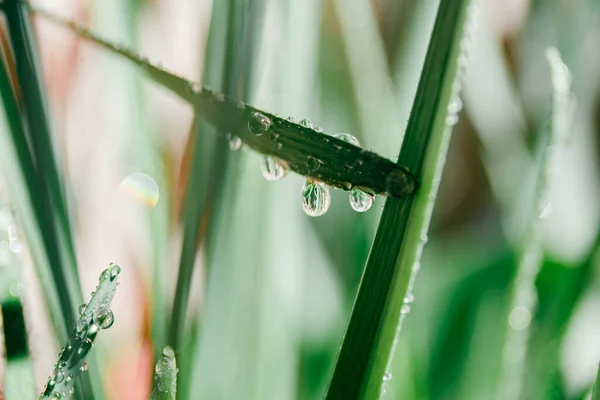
<point x="36" y="113"/>
<point x="306" y="151"/>
<point x="395" y="253"/>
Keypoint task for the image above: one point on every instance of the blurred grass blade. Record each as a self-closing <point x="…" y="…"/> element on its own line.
<point x="387" y="281"/>
<point x="596" y="392"/>
<point x="94" y="315"/>
<point x="304" y="149"/>
<point x="19" y="380"/>
<point x="165" y="376"/>
<point x="39" y="131"/>
<point x="524" y="300"/>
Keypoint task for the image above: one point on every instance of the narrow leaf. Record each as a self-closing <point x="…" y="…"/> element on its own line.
<point x="165" y="376"/>
<point x="394" y="258"/>
<point x="306" y="150"/>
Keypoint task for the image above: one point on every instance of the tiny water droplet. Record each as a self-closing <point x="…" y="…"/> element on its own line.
<point x="194" y="88"/>
<point x="272" y="169"/>
<point x="274" y="136"/>
<point x="315" y="198"/>
<point x="306" y="123"/>
<point x="409" y="298"/>
<point x="360" y="200"/>
<point x="455" y="105"/>
<point x="104" y="275"/>
<point x="399" y="183"/>
<point x="240" y="105"/>
<point x="405" y="309"/>
<point x="115" y="270"/>
<point x="82" y="308"/>
<point x="320" y="130"/>
<point x="279" y="145"/>
<point x="84" y="366"/>
<point x="104" y="318"/>
<point x="235" y="143"/>
<point x="348" y="138"/>
<point x="259" y="123"/>
<point x="312" y="163"/>
<point x="58" y="377"/>
<point x="451" y="119"/>
<point x="387" y="377"/>
<point x="217" y="97"/>
<point x="291" y="119"/>
<point x="69" y="378"/>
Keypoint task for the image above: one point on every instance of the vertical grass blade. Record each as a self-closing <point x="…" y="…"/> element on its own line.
<point x="524" y="296"/>
<point x="394" y="258"/>
<point x="596" y="392"/>
<point x="165" y="376"/>
<point x="36" y="113"/>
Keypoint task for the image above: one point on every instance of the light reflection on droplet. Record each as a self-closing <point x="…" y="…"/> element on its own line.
<point x="142" y="187"/>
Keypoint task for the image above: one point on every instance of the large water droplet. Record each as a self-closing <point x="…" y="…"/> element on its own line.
<point x="346" y="137"/>
<point x="259" y="123"/>
<point x="82" y="324"/>
<point x="115" y="270"/>
<point x="104" y="318"/>
<point x="168" y="352"/>
<point x="142" y="187"/>
<point x="399" y="183"/>
<point x="360" y="200"/>
<point x="272" y="169"/>
<point x="315" y="198"/>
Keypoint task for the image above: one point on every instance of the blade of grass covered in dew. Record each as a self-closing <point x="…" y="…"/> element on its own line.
<point x="165" y="376"/>
<point x="35" y="110"/>
<point x="94" y="316"/>
<point x="304" y="150"/>
<point x="380" y="124"/>
<point x="524" y="295"/>
<point x="387" y="281"/>
<point x="19" y="382"/>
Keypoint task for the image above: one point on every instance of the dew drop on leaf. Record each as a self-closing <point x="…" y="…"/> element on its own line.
<point x="306" y="123"/>
<point x="104" y="318"/>
<point x="141" y="187"/>
<point x="399" y="182"/>
<point x="315" y="198"/>
<point x="259" y="123"/>
<point x="272" y="169"/>
<point x="312" y="163"/>
<point x="348" y="138"/>
<point x="360" y="200"/>
<point x="387" y="377"/>
<point x="235" y="143"/>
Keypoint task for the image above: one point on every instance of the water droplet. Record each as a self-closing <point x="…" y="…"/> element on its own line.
<point x="142" y="187"/>
<point x="455" y="105"/>
<point x="272" y="169"/>
<point x="104" y="319"/>
<point x="399" y="183"/>
<point x="217" y="97"/>
<point x="315" y="198"/>
<point x="405" y="309"/>
<point x="320" y="130"/>
<point x="519" y="318"/>
<point x="274" y="136"/>
<point x="84" y="366"/>
<point x="168" y="352"/>
<point x="291" y="119"/>
<point x="15" y="245"/>
<point x="279" y="145"/>
<point x="387" y="377"/>
<point x="348" y="138"/>
<point x="451" y="119"/>
<point x="58" y="377"/>
<point x="82" y="308"/>
<point x="259" y="123"/>
<point x="82" y="324"/>
<point x="306" y="123"/>
<point x="194" y="88"/>
<point x="114" y="271"/>
<point x="104" y="274"/>
<point x="312" y="163"/>
<point x="235" y="143"/>
<point x="409" y="298"/>
<point x="360" y="200"/>
<point x="162" y="366"/>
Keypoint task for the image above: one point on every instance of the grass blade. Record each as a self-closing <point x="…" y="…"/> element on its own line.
<point x="596" y="392"/>
<point x="304" y="149"/>
<point x="524" y="292"/>
<point x="387" y="280"/>
<point x="94" y="316"/>
<point x="165" y="376"/>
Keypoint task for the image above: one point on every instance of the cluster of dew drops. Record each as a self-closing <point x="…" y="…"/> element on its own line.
<point x="315" y="196"/>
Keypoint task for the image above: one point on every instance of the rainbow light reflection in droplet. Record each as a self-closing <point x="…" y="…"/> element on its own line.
<point x="141" y="187"/>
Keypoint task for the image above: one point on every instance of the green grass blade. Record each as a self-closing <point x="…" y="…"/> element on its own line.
<point x="596" y="393"/>
<point x="304" y="149"/>
<point x="523" y="302"/>
<point x="165" y="376"/>
<point x="19" y="380"/>
<point x="369" y="340"/>
<point x="36" y="113"/>
<point x="94" y="316"/>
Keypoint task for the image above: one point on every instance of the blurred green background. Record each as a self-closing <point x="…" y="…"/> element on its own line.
<point x="273" y="288"/>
